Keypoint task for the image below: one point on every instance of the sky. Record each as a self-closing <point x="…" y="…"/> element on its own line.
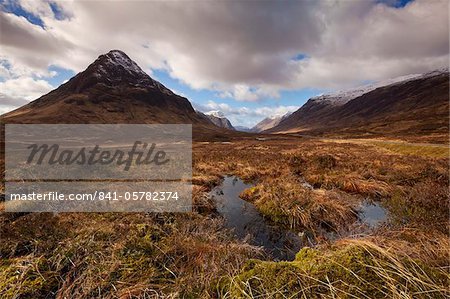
<point x="248" y="59"/>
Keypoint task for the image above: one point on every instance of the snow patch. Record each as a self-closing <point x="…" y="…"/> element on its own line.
<point x="342" y="97"/>
<point x="118" y="58"/>
<point x="112" y="64"/>
<point x="216" y="113"/>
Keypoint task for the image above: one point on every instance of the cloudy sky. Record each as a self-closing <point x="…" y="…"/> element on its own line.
<point x="249" y="59"/>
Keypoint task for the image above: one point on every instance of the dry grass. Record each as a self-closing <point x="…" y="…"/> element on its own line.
<point x="114" y="255"/>
<point x="135" y="255"/>
<point x="341" y="173"/>
<point x="421" y="149"/>
<point x="286" y="201"/>
<point x="408" y="259"/>
<point x="416" y="150"/>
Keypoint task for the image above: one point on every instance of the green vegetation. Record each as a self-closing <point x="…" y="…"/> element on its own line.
<point x="414" y="149"/>
<point x="352" y="269"/>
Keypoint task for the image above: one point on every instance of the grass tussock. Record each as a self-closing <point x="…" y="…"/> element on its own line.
<point x="116" y="255"/>
<point x="285" y="200"/>
<point x="424" y="204"/>
<point x="349" y="269"/>
<point x="309" y="185"/>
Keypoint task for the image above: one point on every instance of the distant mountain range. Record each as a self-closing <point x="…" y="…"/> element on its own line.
<point x="406" y="106"/>
<point x="218" y="119"/>
<point x="243" y="129"/>
<point x="268" y="123"/>
<point x="113" y="89"/>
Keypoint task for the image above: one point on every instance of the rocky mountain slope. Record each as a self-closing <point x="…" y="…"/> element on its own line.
<point x="268" y="123"/>
<point x="113" y="89"/>
<point x="218" y="119"/>
<point x="242" y="129"/>
<point x="418" y="106"/>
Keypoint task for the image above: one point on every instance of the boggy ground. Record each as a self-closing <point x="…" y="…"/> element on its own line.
<point x="408" y="258"/>
<point x="136" y="255"/>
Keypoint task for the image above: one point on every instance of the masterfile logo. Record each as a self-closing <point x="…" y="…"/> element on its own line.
<point x="52" y="154"/>
<point x="98" y="167"/>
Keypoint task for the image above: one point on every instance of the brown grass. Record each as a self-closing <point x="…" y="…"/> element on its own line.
<point x="136" y="255"/>
<point x="341" y="173"/>
<point x="83" y="255"/>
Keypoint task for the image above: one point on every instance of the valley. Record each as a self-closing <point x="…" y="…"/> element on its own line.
<point x="413" y="108"/>
<point x="332" y="201"/>
<point x="197" y="254"/>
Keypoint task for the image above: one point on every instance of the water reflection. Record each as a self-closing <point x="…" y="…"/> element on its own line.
<point x="247" y="223"/>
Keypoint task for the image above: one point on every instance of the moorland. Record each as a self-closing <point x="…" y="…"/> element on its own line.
<point x="193" y="255"/>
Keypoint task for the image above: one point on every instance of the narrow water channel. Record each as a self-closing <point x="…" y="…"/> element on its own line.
<point x="247" y="223"/>
<point x="279" y="242"/>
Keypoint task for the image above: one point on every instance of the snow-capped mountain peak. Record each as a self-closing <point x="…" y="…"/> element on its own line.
<point x="120" y="59"/>
<point x="217" y="118"/>
<point x="115" y="68"/>
<point x="216" y="113"/>
<point x="116" y="62"/>
<point x="344" y="96"/>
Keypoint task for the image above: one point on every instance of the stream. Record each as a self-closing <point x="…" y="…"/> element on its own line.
<point x="247" y="223"/>
<point x="281" y="243"/>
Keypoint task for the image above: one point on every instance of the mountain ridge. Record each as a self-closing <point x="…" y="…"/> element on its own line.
<point x="217" y="118"/>
<point x="114" y="89"/>
<point x="269" y="122"/>
<point x="415" y="106"/>
<point x="341" y="97"/>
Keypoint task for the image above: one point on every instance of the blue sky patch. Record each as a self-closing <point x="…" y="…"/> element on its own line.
<point x="57" y="11"/>
<point x="61" y="75"/>
<point x="300" y="56"/>
<point x="395" y="3"/>
<point x="15" y="8"/>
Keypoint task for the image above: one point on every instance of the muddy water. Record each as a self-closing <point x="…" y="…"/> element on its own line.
<point x="372" y="214"/>
<point x="247" y="223"/>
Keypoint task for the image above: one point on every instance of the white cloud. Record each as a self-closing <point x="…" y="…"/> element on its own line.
<point x="37" y="8"/>
<point x="4" y="72"/>
<point x="241" y="92"/>
<point x="241" y="49"/>
<point x="373" y="42"/>
<point x="19" y="91"/>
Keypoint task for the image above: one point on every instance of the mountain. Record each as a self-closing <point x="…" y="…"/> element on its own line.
<point x="113" y="89"/>
<point x="269" y="122"/>
<point x="218" y="119"/>
<point x="415" y="105"/>
<point x="342" y="97"/>
<point x="242" y="129"/>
